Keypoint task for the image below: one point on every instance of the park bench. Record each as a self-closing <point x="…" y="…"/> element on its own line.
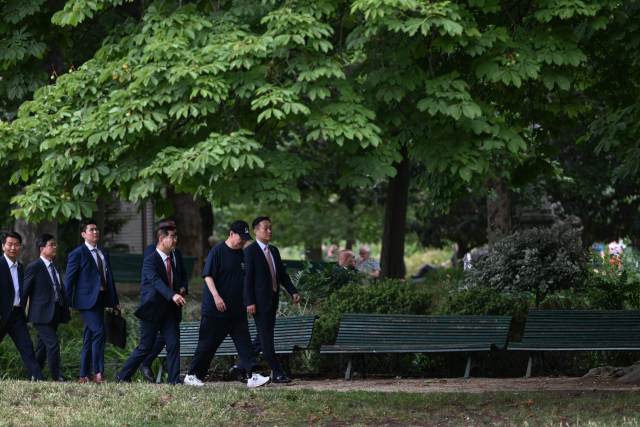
<point x="578" y="330"/>
<point x="290" y="334"/>
<point x="390" y="333"/>
<point x="127" y="268"/>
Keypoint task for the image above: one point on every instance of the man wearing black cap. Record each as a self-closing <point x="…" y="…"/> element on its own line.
<point x="223" y="309"/>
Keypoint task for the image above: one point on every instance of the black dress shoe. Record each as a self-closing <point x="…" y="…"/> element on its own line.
<point x="280" y="380"/>
<point x="238" y="374"/>
<point x="62" y="379"/>
<point x="119" y="380"/>
<point x="147" y="373"/>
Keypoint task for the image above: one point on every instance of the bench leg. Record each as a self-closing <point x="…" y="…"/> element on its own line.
<point x="287" y="364"/>
<point x="468" y="370"/>
<point x="347" y="374"/>
<point x="528" y="374"/>
<point x="364" y="373"/>
<point x="159" y="379"/>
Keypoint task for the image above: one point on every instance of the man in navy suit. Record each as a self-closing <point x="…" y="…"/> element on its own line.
<point x="145" y="367"/>
<point x="48" y="304"/>
<point x="12" y="306"/>
<point x="265" y="273"/>
<point x="160" y="307"/>
<point x="90" y="288"/>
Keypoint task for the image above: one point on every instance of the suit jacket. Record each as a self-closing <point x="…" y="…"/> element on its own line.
<point x="177" y="256"/>
<point x="82" y="280"/>
<point x="7" y="292"/>
<point x="38" y="288"/>
<point x="258" y="286"/>
<point x="155" y="293"/>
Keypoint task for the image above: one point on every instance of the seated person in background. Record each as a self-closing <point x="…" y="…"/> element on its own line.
<point x="213" y="240"/>
<point x="367" y="265"/>
<point x="341" y="274"/>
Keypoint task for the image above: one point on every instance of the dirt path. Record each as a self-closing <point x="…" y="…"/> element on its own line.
<point x="471" y="385"/>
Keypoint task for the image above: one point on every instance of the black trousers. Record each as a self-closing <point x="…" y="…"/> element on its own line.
<point x="213" y="331"/>
<point x="16" y="328"/>
<point x="48" y="345"/>
<point x="263" y="342"/>
<point x="157" y="348"/>
<point x="169" y="327"/>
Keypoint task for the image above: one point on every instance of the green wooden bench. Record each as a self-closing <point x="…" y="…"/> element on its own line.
<point x="578" y="330"/>
<point x="390" y="333"/>
<point x="127" y="268"/>
<point x="290" y="334"/>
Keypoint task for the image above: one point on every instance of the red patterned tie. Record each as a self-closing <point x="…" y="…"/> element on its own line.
<point x="169" y="270"/>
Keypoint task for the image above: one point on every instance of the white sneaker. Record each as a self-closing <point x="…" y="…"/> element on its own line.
<point x="193" y="380"/>
<point x="257" y="380"/>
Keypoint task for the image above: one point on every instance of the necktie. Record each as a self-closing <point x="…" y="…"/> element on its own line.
<point x="169" y="270"/>
<point x="273" y="271"/>
<point x="103" y="281"/>
<point x="56" y="285"/>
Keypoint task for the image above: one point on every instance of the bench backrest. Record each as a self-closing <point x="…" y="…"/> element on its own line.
<point x="290" y="333"/>
<point x="127" y="268"/>
<point x="583" y="329"/>
<point x="391" y="330"/>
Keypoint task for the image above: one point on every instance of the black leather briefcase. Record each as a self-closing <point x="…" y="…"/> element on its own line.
<point x="116" y="329"/>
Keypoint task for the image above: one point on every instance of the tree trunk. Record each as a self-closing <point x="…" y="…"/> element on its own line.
<point x="498" y="211"/>
<point x="315" y="252"/>
<point x="463" y="248"/>
<point x="206" y="215"/>
<point x="395" y="222"/>
<point x="29" y="233"/>
<point x="189" y="223"/>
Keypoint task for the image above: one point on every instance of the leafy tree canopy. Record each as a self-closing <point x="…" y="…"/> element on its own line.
<point x="214" y="97"/>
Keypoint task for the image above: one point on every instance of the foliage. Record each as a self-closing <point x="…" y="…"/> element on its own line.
<point x="384" y="297"/>
<point x="488" y="302"/>
<point x="538" y="261"/>
<point x="214" y="98"/>
<point x="615" y="283"/>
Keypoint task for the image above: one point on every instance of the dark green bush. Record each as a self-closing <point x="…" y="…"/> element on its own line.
<point x="384" y="297"/>
<point x="487" y="302"/>
<point x="539" y="262"/>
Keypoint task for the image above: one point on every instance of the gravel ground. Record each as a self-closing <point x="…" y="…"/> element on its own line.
<point x="470" y="385"/>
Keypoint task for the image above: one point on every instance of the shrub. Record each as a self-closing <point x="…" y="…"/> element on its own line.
<point x="615" y="285"/>
<point x="538" y="261"/>
<point x="487" y="302"/>
<point x="384" y="297"/>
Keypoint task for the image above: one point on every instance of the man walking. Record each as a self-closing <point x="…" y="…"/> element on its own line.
<point x="159" y="309"/>
<point x="48" y="302"/>
<point x="264" y="274"/>
<point x="145" y="366"/>
<point x="223" y="310"/>
<point x="12" y="306"/>
<point x="91" y="288"/>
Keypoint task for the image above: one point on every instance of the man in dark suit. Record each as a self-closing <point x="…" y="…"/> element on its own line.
<point x="265" y="273"/>
<point x="12" y="306"/>
<point x="48" y="304"/>
<point x="160" y="307"/>
<point x="90" y="288"/>
<point x="145" y="366"/>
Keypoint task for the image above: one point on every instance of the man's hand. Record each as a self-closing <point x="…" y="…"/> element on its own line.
<point x="70" y="311"/>
<point x="220" y="303"/>
<point x="296" y="298"/>
<point x="177" y="298"/>
<point x="251" y="309"/>
<point x="116" y="308"/>
<point x="183" y="291"/>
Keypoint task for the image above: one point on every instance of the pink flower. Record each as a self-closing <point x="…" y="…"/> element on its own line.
<point x="448" y="275"/>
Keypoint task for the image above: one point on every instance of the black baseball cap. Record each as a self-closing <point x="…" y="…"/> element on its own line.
<point x="241" y="228"/>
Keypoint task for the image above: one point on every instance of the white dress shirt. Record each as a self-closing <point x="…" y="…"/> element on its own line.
<point x="104" y="264"/>
<point x="273" y="261"/>
<point x="164" y="262"/>
<point x="13" y="268"/>
<point x="48" y="263"/>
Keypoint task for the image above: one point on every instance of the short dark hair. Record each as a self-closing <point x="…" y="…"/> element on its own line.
<point x="163" y="232"/>
<point x="85" y="223"/>
<point x="258" y="220"/>
<point x="11" y="233"/>
<point x="42" y="241"/>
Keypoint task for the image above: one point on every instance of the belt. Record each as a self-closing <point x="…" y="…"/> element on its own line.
<point x="16" y="307"/>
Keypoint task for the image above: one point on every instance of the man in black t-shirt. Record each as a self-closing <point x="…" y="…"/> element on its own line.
<point x="223" y="309"/>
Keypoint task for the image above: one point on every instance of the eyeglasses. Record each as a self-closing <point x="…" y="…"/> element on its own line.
<point x="172" y="236"/>
<point x="53" y="245"/>
<point x="12" y="245"/>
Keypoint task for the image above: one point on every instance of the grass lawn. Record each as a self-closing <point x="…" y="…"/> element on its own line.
<point x="47" y="404"/>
